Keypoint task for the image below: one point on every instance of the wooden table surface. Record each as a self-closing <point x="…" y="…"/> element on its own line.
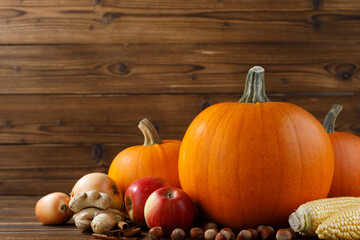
<point x="18" y="221"/>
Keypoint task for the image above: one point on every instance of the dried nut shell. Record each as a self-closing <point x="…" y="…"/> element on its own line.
<point x="267" y="233"/>
<point x="157" y="231"/>
<point x="284" y="234"/>
<point x="244" y="235"/>
<point x="197" y="233"/>
<point x="178" y="234"/>
<point x="210" y="234"/>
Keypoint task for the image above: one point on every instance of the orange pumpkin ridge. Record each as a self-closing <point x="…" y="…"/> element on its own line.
<point x="254" y="161"/>
<point x="346" y="180"/>
<point x="154" y="158"/>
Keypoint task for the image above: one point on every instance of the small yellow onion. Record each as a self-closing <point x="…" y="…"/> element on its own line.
<point x="53" y="209"/>
<point x="102" y="183"/>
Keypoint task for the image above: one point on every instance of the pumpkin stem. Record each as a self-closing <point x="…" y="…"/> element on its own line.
<point x="151" y="136"/>
<point x="255" y="86"/>
<point x="329" y="121"/>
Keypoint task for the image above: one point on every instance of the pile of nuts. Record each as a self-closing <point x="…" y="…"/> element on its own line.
<point x="210" y="232"/>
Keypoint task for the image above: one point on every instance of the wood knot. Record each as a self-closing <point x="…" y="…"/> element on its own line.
<point x="226" y="23"/>
<point x="12" y="13"/>
<point x="122" y="68"/>
<point x="109" y="16"/>
<point x="345" y="76"/>
<point x="345" y="72"/>
<point x="106" y="18"/>
<point x="97" y="152"/>
<point x="119" y="68"/>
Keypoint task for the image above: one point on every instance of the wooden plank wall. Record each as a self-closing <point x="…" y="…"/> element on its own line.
<point x="77" y="76"/>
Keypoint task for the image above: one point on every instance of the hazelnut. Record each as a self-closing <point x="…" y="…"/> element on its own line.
<point x="254" y="233"/>
<point x="209" y="226"/>
<point x="258" y="229"/>
<point x="293" y="233"/>
<point x="178" y="234"/>
<point x="244" y="235"/>
<point x="197" y="233"/>
<point x="210" y="234"/>
<point x="157" y="232"/>
<point x="284" y="234"/>
<point x="150" y="236"/>
<point x="220" y="236"/>
<point x="228" y="231"/>
<point x="267" y="233"/>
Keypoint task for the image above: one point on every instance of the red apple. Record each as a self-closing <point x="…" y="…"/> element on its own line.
<point x="169" y="208"/>
<point x="137" y="194"/>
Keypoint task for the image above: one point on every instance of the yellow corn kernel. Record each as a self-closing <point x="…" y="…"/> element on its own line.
<point x="344" y="224"/>
<point x="310" y="215"/>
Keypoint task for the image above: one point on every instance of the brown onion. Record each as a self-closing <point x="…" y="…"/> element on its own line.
<point x="53" y="209"/>
<point x="102" y="183"/>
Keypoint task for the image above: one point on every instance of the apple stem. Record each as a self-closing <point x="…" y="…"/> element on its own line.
<point x="170" y="195"/>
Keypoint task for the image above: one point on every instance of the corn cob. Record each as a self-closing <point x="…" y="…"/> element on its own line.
<point x="344" y="224"/>
<point x="308" y="216"/>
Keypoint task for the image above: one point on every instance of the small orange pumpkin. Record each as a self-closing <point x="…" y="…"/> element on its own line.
<point x="254" y="161"/>
<point x="346" y="180"/>
<point x="154" y="158"/>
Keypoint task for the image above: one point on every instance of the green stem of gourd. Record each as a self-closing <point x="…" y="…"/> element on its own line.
<point x="329" y="121"/>
<point x="151" y="136"/>
<point x="255" y="86"/>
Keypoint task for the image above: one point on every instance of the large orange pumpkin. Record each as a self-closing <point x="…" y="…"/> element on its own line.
<point x="154" y="158"/>
<point x="346" y="180"/>
<point x="254" y="161"/>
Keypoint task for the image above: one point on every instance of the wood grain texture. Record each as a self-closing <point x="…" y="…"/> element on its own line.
<point x="165" y="68"/>
<point x="127" y="22"/>
<point x="39" y="169"/>
<point x="77" y="76"/>
<point x="114" y="119"/>
<point x="42" y="169"/>
<point x="18" y="222"/>
<point x="245" y="5"/>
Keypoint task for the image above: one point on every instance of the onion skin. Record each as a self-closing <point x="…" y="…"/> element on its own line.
<point x="102" y="183"/>
<point x="53" y="209"/>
